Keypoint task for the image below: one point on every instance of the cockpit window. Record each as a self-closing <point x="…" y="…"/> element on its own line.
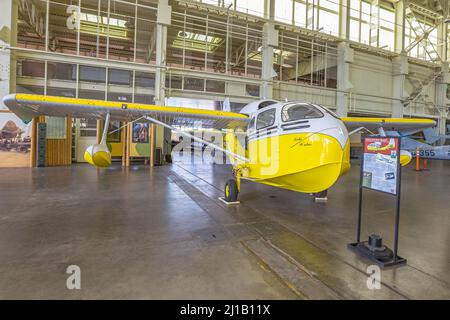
<point x="265" y="119"/>
<point x="251" y="125"/>
<point x="299" y="111"/>
<point x="331" y="112"/>
<point x="266" y="104"/>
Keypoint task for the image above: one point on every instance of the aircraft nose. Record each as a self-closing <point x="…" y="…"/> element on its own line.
<point x="339" y="132"/>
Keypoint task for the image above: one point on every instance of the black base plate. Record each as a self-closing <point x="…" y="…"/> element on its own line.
<point x="361" y="249"/>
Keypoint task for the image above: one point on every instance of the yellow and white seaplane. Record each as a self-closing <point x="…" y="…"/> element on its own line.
<point x="298" y="146"/>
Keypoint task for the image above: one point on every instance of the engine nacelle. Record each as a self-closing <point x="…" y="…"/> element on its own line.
<point x="98" y="155"/>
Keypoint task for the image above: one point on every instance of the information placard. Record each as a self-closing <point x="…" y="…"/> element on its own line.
<point x="380" y="167"/>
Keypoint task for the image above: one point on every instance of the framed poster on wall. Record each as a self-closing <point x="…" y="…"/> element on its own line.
<point x="140" y="132"/>
<point x="15" y="141"/>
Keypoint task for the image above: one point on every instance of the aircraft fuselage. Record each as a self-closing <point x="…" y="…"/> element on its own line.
<point x="296" y="146"/>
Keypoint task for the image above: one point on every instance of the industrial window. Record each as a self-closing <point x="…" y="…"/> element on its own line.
<point x="30" y="68"/>
<point x="415" y="26"/>
<point x="320" y="15"/>
<point x="119" y="77"/>
<point x="252" y="7"/>
<point x="372" y="24"/>
<point x="199" y="41"/>
<point x="300" y="14"/>
<point x="119" y="30"/>
<point x="92" y="74"/>
<point x="296" y="53"/>
<point x="88" y="127"/>
<point x="265" y="119"/>
<point x="215" y="86"/>
<point x="283" y="11"/>
<point x="300" y="111"/>
<point x="144" y="80"/>
<point x="317" y="15"/>
<point x="386" y="36"/>
<point x="213" y="2"/>
<point x="328" y="16"/>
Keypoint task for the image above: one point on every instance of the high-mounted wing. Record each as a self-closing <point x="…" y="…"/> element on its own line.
<point x="388" y="124"/>
<point x="28" y="106"/>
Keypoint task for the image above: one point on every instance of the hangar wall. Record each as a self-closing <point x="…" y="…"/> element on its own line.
<point x="371" y="77"/>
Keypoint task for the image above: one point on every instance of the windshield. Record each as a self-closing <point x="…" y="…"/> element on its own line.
<point x="300" y="111"/>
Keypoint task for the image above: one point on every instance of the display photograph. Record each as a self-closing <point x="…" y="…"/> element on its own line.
<point x="15" y="141"/>
<point x="225" y="158"/>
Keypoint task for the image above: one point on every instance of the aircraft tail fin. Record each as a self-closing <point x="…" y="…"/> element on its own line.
<point x="430" y="135"/>
<point x="226" y="105"/>
<point x="411" y="144"/>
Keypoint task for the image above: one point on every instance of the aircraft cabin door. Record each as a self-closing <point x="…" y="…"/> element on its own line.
<point x="85" y="135"/>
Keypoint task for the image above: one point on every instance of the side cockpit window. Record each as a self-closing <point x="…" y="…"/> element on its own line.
<point x="265" y="119"/>
<point x="300" y="111"/>
<point x="251" y="125"/>
<point x="331" y="112"/>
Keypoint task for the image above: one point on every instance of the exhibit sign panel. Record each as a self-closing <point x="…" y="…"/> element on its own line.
<point x="380" y="166"/>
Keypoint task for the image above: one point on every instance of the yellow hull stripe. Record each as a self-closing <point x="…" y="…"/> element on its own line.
<point x="301" y="162"/>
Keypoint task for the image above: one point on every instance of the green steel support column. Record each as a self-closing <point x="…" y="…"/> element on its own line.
<point x="399" y="31"/>
<point x="163" y="20"/>
<point x="270" y="41"/>
<point x="442" y="101"/>
<point x="344" y="19"/>
<point x="344" y="85"/>
<point x="400" y="69"/>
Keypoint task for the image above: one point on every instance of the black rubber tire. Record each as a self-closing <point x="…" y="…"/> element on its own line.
<point x="231" y="191"/>
<point x="321" y="194"/>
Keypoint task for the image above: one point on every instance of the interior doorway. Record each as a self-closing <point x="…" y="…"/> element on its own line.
<point x="85" y="134"/>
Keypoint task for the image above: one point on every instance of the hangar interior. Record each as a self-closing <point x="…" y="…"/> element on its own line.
<point x="153" y="228"/>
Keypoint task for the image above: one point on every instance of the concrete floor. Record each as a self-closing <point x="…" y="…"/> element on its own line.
<point x="162" y="233"/>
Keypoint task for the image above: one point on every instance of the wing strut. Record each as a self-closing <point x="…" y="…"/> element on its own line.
<point x="105" y="129"/>
<point x="212" y="145"/>
<point x="360" y="129"/>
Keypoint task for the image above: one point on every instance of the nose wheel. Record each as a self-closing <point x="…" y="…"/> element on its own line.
<point x="231" y="191"/>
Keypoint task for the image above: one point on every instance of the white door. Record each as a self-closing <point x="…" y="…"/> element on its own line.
<point x="85" y="135"/>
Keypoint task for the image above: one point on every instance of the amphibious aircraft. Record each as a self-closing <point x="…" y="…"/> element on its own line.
<point x="298" y="146"/>
<point x="412" y="143"/>
<point x="431" y="137"/>
<point x="426" y="151"/>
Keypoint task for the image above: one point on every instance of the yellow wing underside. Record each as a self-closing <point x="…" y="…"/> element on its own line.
<point x="28" y="106"/>
<point x="388" y="124"/>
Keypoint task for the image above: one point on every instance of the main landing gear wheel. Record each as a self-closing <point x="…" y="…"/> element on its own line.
<point x="321" y="196"/>
<point x="231" y="191"/>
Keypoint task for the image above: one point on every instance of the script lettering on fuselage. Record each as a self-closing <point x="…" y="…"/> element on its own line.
<point x="301" y="143"/>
